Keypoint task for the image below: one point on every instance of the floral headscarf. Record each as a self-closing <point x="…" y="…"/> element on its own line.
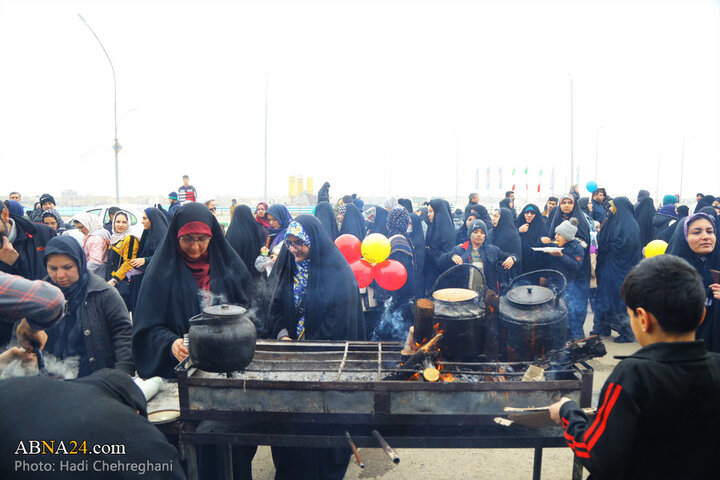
<point x="302" y="274"/>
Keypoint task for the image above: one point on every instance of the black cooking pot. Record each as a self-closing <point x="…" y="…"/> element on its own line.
<point x="460" y="313"/>
<point x="532" y="319"/>
<point x="222" y="339"/>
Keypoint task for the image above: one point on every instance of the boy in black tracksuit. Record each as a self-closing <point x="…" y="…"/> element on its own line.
<point x="658" y="415"/>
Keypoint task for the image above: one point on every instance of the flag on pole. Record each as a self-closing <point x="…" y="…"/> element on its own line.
<point x="513" y="179"/>
<point x="487" y="178"/>
<point x="527" y="187"/>
<point x="539" y="179"/>
<point x="552" y="180"/>
<point x="477" y="178"/>
<point x="500" y="178"/>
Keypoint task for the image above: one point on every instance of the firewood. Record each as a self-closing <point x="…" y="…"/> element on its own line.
<point x="431" y="374"/>
<point x="414" y="364"/>
<point x="575" y="352"/>
<point x="424" y="314"/>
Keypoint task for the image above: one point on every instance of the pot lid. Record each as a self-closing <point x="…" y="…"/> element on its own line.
<point x="455" y="294"/>
<point x="530" y="295"/>
<point x="224" y="310"/>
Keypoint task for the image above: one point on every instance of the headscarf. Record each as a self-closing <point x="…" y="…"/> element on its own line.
<point x="170" y="295"/>
<point x="531" y="260"/>
<point x="200" y="266"/>
<point x="56" y="215"/>
<point x="481" y="213"/>
<point x="440" y="236"/>
<point x="282" y="215"/>
<point x="405" y="202"/>
<point x="353" y="222"/>
<point x="505" y="235"/>
<point x="116" y="236"/>
<point x="706" y="201"/>
<point x="93" y="224"/>
<point x="246" y="236"/>
<point x="390" y="203"/>
<point x="642" y="195"/>
<point x="359" y="203"/>
<point x="378" y="222"/>
<point x="505" y="203"/>
<point x="150" y="239"/>
<point x="262" y="220"/>
<point x="324" y="212"/>
<point x="397" y="221"/>
<point x="330" y="305"/>
<point x="16" y="208"/>
<point x="683" y="211"/>
<point x="644" y="214"/>
<point x="66" y="339"/>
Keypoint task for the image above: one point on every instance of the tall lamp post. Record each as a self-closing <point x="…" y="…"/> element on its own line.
<point x="572" y="150"/>
<point x="116" y="146"/>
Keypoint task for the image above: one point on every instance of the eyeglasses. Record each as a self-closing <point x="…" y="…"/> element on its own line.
<point x="294" y="243"/>
<point x="201" y="240"/>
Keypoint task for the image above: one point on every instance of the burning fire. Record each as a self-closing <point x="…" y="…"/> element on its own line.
<point x="444" y="377"/>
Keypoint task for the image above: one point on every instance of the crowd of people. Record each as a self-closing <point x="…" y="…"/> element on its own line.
<point x="129" y="299"/>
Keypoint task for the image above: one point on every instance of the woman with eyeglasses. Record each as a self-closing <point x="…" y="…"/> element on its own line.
<point x="193" y="267"/>
<point x="123" y="248"/>
<point x="314" y="297"/>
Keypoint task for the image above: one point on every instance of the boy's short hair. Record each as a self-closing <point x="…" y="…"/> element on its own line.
<point x="668" y="287"/>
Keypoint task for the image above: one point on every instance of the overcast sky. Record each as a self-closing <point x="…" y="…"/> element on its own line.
<point x="377" y="97"/>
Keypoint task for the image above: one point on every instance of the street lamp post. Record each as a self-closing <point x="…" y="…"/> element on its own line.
<point x="572" y="150"/>
<point x="116" y="146"/>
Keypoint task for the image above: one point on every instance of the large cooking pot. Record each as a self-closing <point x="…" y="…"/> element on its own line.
<point x="222" y="339"/>
<point x="460" y="313"/>
<point x="532" y="318"/>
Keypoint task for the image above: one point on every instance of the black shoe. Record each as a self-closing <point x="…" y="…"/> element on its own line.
<point x="622" y="339"/>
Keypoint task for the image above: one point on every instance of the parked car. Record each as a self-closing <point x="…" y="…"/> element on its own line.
<point x="135" y="212"/>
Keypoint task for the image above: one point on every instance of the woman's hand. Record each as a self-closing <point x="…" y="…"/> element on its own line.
<point x="545" y="240"/>
<point x="508" y="263"/>
<point x="716" y="290"/>
<point x="457" y="259"/>
<point x="524" y="228"/>
<point x="14" y="353"/>
<point x="556" y="253"/>
<point x="137" y="262"/>
<point x="112" y="282"/>
<point x="264" y="251"/>
<point x="285" y="338"/>
<point x="179" y="350"/>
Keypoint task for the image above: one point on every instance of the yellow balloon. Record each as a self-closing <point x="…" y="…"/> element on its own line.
<point x="655" y="247"/>
<point x="375" y="248"/>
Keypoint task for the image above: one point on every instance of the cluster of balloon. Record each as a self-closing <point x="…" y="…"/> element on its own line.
<point x="369" y="261"/>
<point x="654" y="248"/>
<point x="591" y="186"/>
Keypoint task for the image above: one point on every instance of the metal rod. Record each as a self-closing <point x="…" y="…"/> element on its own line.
<point x="537" y="463"/>
<point x="390" y="452"/>
<point x="342" y="364"/>
<point x="379" y="362"/>
<point x="354" y="449"/>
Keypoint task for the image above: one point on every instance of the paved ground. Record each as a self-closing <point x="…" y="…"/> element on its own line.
<point x="475" y="464"/>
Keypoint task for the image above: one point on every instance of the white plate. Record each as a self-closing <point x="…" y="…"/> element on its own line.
<point x="547" y="249"/>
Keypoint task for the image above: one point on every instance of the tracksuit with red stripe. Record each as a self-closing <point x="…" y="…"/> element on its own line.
<point x="658" y="418"/>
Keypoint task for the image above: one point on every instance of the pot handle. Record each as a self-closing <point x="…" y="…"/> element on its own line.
<point x="533" y="278"/>
<point x="455" y="267"/>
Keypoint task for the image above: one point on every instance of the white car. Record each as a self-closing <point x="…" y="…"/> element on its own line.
<point x="135" y="213"/>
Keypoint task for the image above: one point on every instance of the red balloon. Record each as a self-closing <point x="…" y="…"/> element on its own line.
<point x="349" y="246"/>
<point x="363" y="272"/>
<point x="390" y="274"/>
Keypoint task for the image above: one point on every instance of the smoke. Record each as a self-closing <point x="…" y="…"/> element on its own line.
<point x="65" y="369"/>
<point x="392" y="325"/>
<point x="208" y="299"/>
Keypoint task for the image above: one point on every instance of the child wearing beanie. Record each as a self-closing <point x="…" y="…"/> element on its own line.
<point x="568" y="262"/>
